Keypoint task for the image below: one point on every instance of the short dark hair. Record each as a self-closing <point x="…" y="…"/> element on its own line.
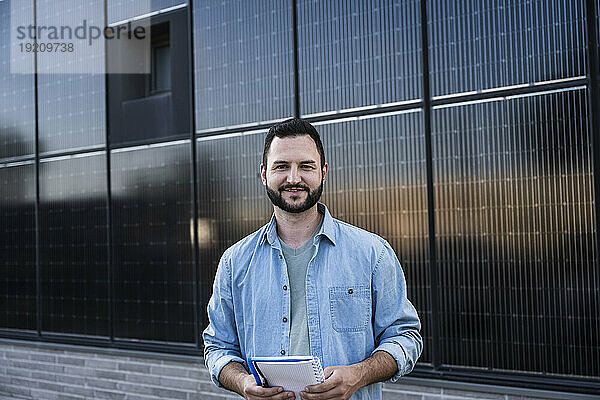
<point x="293" y="127"/>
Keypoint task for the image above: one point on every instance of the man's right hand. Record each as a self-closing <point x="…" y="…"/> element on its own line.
<point x="253" y="392"/>
<point x="234" y="376"/>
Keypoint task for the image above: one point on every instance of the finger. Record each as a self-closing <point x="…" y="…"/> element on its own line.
<point x="330" y="394"/>
<point x="282" y="396"/>
<point x="286" y="396"/>
<point x="278" y="396"/>
<point x="327" y="385"/>
<point x="260" y="391"/>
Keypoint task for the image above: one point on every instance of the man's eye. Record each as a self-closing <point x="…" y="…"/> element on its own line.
<point x="280" y="167"/>
<point x="307" y="167"/>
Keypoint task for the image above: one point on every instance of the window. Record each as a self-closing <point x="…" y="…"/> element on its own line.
<point x="142" y="105"/>
<point x="160" y="76"/>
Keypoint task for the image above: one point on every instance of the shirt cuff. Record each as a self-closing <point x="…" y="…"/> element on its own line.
<point x="219" y="364"/>
<point x="397" y="352"/>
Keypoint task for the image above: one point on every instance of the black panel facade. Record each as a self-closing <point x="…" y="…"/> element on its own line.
<point x="17" y="247"/>
<point x="75" y="121"/>
<point x="513" y="256"/>
<point x="71" y="106"/>
<point x="232" y="201"/>
<point x="17" y="104"/>
<point x="119" y="10"/>
<point x="519" y="284"/>
<point x="377" y="181"/>
<point x="358" y="54"/>
<point x="243" y="62"/>
<point x="73" y="245"/>
<point x="151" y="214"/>
<point x="475" y="46"/>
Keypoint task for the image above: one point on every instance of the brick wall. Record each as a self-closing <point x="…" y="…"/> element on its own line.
<point x="42" y="372"/>
<point x="34" y="370"/>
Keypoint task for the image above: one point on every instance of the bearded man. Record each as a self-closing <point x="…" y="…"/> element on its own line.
<point x="307" y="284"/>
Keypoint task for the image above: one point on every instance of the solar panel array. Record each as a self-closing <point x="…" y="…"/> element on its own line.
<point x="17" y="103"/>
<point x="513" y="187"/>
<point x="153" y="270"/>
<point x="243" y="62"/>
<point x="71" y="106"/>
<point x="120" y="10"/>
<point x="515" y="234"/>
<point x="17" y="247"/>
<point x="377" y="181"/>
<point x="73" y="245"/>
<point x="358" y="54"/>
<point x="479" y="45"/>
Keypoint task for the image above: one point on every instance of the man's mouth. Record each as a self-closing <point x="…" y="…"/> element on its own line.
<point x="294" y="189"/>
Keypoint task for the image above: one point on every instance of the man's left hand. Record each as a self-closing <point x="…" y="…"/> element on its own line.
<point x="341" y="381"/>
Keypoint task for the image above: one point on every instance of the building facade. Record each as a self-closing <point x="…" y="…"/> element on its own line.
<point x="465" y="133"/>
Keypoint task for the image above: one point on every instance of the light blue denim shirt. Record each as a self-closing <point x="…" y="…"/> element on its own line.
<point x="355" y="296"/>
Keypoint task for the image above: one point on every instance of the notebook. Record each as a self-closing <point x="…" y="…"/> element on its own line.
<point x="291" y="372"/>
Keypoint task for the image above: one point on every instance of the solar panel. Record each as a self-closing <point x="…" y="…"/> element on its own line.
<point x="153" y="269"/>
<point x="243" y="63"/>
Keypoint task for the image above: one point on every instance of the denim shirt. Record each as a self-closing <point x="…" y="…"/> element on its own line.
<point x="355" y="296"/>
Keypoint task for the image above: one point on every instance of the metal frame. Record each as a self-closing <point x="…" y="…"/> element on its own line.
<point x="38" y="278"/>
<point x="594" y="109"/>
<point x="194" y="174"/>
<point x="109" y="238"/>
<point x="437" y="369"/>
<point x="296" y="60"/>
<point x="433" y="269"/>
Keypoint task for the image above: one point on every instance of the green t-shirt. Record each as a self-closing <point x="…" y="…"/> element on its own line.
<point x="297" y="264"/>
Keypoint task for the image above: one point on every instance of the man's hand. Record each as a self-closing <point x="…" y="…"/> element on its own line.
<point x="252" y="391"/>
<point x="234" y="377"/>
<point x="341" y="381"/>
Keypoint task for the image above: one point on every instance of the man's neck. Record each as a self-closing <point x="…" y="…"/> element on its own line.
<point x="296" y="228"/>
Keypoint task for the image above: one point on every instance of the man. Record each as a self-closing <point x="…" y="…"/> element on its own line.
<point x="308" y="284"/>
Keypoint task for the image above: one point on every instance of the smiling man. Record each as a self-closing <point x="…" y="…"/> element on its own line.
<point x="308" y="284"/>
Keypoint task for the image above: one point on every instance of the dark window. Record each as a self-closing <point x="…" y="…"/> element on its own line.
<point x="160" y="76"/>
<point x="142" y="106"/>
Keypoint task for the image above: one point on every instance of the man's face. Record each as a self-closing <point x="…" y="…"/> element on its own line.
<point x="293" y="175"/>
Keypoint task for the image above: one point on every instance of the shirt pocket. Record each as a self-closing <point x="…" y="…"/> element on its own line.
<point x="350" y="307"/>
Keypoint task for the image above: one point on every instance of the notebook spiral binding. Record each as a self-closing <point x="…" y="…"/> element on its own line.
<point x="318" y="369"/>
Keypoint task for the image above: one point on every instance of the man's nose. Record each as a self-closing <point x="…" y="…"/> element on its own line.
<point x="293" y="175"/>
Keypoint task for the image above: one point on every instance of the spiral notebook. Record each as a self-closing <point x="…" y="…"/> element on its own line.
<point x="291" y="372"/>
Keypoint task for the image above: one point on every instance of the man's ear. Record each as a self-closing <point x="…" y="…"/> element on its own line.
<point x="324" y="171"/>
<point x="263" y="174"/>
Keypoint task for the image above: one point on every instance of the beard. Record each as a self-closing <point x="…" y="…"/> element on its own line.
<point x="276" y="197"/>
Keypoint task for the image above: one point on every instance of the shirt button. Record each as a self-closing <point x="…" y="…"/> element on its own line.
<point x="282" y="352"/>
<point x="350" y="291"/>
<point x="280" y="256"/>
<point x="284" y="287"/>
<point x="284" y="319"/>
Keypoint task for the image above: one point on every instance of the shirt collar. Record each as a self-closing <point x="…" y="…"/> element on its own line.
<point x="327" y="228"/>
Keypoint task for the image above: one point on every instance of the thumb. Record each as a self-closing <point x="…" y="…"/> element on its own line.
<point x="327" y="372"/>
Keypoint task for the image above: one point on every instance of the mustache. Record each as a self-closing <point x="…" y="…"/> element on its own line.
<point x="294" y="187"/>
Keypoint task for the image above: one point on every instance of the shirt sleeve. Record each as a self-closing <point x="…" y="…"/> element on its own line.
<point x="396" y="323"/>
<point x="221" y="343"/>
